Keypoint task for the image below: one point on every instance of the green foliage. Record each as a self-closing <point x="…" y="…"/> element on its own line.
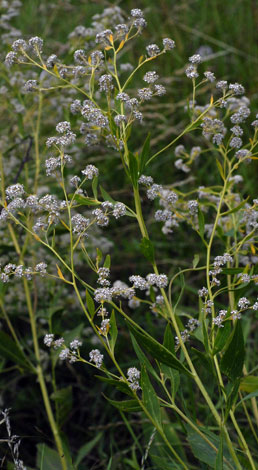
<point x="9" y="350"/>
<point x="150" y="399"/>
<point x="157" y="351"/>
<point x="233" y="359"/>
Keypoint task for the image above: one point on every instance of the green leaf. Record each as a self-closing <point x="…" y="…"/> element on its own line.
<point x="119" y="384"/>
<point x="169" y="373"/>
<point x="203" y="451"/>
<point x="196" y="260"/>
<point x="235" y="209"/>
<point x="204" y="359"/>
<point x="107" y="262"/>
<point x="168" y="340"/>
<point x="113" y="331"/>
<point x="10" y="350"/>
<point x="47" y="459"/>
<point x="90" y="304"/>
<point x="133" y="169"/>
<point x="86" y="201"/>
<point x="113" y="126"/>
<point x="221" y="233"/>
<point x="147" y="249"/>
<point x="86" y="448"/>
<point x="145" y="153"/>
<point x="247" y="397"/>
<point x="143" y="359"/>
<point x="222" y="337"/>
<point x="232" y="397"/>
<point x="64" y="398"/>
<point x="249" y="384"/>
<point x="125" y="405"/>
<point x="205" y="336"/>
<point x="232" y="270"/>
<point x="157" y="351"/>
<point x="219" y="458"/>
<point x="150" y="399"/>
<point x="95" y="187"/>
<point x="201" y="223"/>
<point x="106" y="196"/>
<point x="163" y="463"/>
<point x="233" y="359"/>
<point x="98" y="257"/>
<point x="152" y="294"/>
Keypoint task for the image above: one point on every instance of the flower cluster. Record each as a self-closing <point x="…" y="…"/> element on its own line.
<point x="192" y="324"/>
<point x="96" y="357"/>
<point x="158" y="280"/>
<point x="66" y="353"/>
<point x="19" y="271"/>
<point x="217" y="267"/>
<point x="133" y="376"/>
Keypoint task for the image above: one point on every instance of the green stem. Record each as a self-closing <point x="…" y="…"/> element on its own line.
<point x="243" y="441"/>
<point x="248" y="418"/>
<point x="187" y="129"/>
<point x="196" y="378"/>
<point x="39" y="370"/>
<point x="36" y="140"/>
<point x="41" y="379"/>
<point x="253" y="401"/>
<point x="196" y="429"/>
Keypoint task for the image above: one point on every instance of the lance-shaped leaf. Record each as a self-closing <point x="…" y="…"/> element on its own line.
<point x="249" y="384"/>
<point x="113" y="331"/>
<point x="10" y="350"/>
<point x="149" y="398"/>
<point x="125" y="405"/>
<point x="107" y="262"/>
<point x="231" y="398"/>
<point x="219" y="459"/>
<point x="171" y="374"/>
<point x="222" y="337"/>
<point x="133" y="169"/>
<point x="233" y="359"/>
<point x="95" y="187"/>
<point x="106" y="196"/>
<point x="90" y="304"/>
<point x="86" y="201"/>
<point x="143" y="359"/>
<point x="157" y="351"/>
<point x="119" y="384"/>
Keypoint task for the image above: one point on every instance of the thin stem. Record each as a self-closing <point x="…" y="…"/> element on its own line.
<point x="232" y="416"/>
<point x="253" y="401"/>
<point x="38" y="368"/>
<point x="41" y="379"/>
<point x="248" y="418"/>
<point x="242" y="439"/>
<point x="208" y="255"/>
<point x="187" y="129"/>
<point x="36" y="140"/>
<point x="182" y="344"/>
